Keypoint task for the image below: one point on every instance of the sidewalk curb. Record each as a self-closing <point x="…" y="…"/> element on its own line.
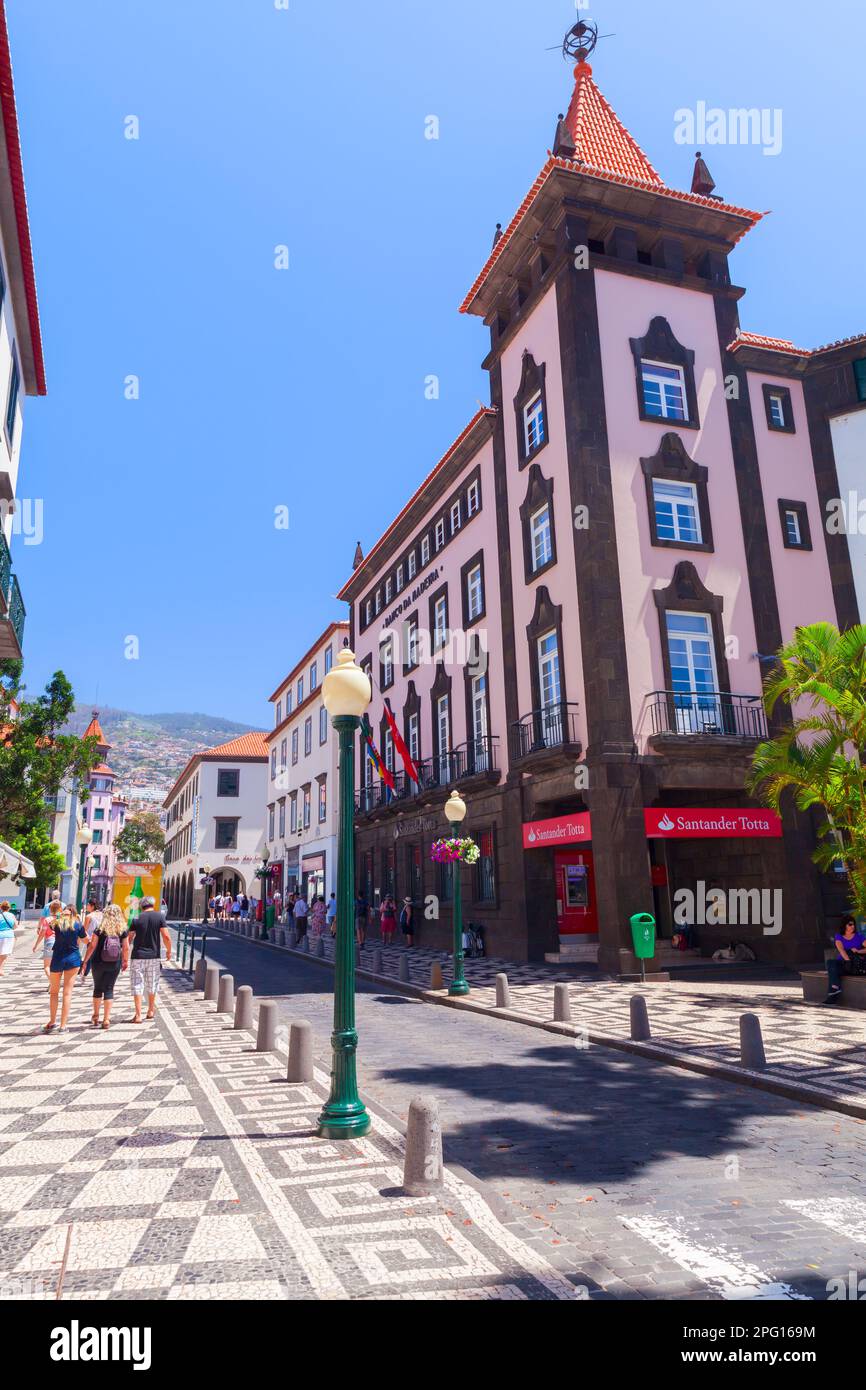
<point x="717" y="1071"/>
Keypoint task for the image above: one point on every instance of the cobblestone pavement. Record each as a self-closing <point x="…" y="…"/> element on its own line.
<point x="806" y="1045"/>
<point x="173" y="1161"/>
<point x="635" y="1179"/>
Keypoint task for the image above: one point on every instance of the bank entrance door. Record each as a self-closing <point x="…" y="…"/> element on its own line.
<point x="575" y="892"/>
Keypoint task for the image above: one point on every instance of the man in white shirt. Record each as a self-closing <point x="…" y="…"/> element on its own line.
<point x="301" y="910"/>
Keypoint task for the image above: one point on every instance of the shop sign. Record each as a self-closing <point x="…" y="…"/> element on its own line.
<point x="562" y="830"/>
<point x="418" y="826"/>
<point x="707" y="823"/>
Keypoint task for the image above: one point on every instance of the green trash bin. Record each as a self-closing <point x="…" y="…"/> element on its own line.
<point x="643" y="935"/>
<point x="270" y="916"/>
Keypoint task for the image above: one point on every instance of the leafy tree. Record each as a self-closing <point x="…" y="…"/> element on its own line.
<point x="36" y="758"/>
<point x="817" y="757"/>
<point x="142" y="839"/>
<point x="39" y="847"/>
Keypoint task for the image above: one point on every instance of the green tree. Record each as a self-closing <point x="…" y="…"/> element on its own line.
<point x="39" y="847"/>
<point x="817" y="757"/>
<point x="142" y="839"/>
<point x="36" y="757"/>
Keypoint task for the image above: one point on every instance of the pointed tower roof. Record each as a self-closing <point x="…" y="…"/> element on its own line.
<point x="94" y="730"/>
<point x="599" y="137"/>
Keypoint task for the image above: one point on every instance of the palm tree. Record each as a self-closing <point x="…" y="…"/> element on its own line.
<point x="817" y="757"/>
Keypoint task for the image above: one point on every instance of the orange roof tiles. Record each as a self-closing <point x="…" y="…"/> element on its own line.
<point x="94" y="730"/>
<point x="761" y="340"/>
<point x="249" y="746"/>
<point x="600" y="138"/>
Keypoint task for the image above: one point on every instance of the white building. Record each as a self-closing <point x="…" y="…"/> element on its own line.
<point x="848" y="431"/>
<point x="214" y="822"/>
<point x="22" y="370"/>
<point x="301" y="821"/>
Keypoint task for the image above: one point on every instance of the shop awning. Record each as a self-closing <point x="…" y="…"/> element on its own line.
<point x="13" y="864"/>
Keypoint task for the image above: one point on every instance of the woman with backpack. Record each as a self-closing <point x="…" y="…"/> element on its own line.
<point x="7" y="934"/>
<point x="109" y="954"/>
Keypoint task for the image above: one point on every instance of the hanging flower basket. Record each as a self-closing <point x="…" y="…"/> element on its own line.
<point x="455" y="851"/>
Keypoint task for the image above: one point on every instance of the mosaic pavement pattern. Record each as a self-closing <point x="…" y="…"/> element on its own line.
<point x="172" y="1161"/>
<point x="818" y="1047"/>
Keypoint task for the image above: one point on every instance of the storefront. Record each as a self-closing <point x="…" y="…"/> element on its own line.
<point x="313" y="876"/>
<point x="567" y="839"/>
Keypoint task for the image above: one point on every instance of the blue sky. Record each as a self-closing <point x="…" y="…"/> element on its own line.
<point x="305" y="388"/>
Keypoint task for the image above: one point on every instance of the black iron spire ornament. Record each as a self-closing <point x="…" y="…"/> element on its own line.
<point x="497" y="234"/>
<point x="702" y="179"/>
<point x="580" y="40"/>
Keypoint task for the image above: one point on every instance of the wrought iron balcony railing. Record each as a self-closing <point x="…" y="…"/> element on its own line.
<point x="17" y="611"/>
<point x="5" y="568"/>
<point x="553" y="727"/>
<point x="700" y="712"/>
<point x="477" y="758"/>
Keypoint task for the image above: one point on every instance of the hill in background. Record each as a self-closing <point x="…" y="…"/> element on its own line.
<point x="148" y="751"/>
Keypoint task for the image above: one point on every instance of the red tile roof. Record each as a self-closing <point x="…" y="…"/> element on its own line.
<point x="94" y="730"/>
<point x="761" y="340"/>
<point x="600" y="138"/>
<point x="103" y="770"/>
<point x="9" y="115"/>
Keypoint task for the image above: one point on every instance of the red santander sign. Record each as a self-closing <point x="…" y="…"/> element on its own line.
<point x="703" y="823"/>
<point x="562" y="830"/>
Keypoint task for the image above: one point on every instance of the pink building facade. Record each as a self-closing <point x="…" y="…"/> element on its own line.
<point x="645" y="531"/>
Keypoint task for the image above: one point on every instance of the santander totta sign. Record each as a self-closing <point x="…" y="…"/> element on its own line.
<point x="562" y="830"/>
<point x="705" y="823"/>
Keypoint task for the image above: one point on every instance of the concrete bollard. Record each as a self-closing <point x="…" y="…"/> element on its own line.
<point x="561" y="1004"/>
<point x="403" y="969"/>
<point x="212" y="983"/>
<point x="752" y="1053"/>
<point x="244" y="1008"/>
<point x="640" y="1024"/>
<point x="503" y="993"/>
<point x="436" y="981"/>
<point x="422" y="1165"/>
<point x="199" y="975"/>
<point x="226" y="996"/>
<point x="281" y="937"/>
<point x="378" y="961"/>
<point x="300" y="1068"/>
<point x="320" y="945"/>
<point x="266" y="1036"/>
<point x="306" y="946"/>
<point x="293" y="938"/>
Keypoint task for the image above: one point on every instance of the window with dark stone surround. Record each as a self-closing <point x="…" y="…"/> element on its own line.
<point x="802" y="515"/>
<point x="532" y="383"/>
<point x="660" y="345"/>
<point x="538" y="493"/>
<point x="686" y="593"/>
<point x="672" y="464"/>
<point x="782" y="394"/>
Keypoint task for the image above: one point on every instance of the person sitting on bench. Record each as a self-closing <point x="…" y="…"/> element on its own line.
<point x="850" y="958"/>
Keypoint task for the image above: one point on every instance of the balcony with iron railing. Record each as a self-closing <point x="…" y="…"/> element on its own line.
<point x="12" y="610"/>
<point x="549" y="732"/>
<point x="477" y="759"/>
<point x="710" y="715"/>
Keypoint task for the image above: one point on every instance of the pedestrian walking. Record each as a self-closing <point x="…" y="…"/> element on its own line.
<point x="65" y="965"/>
<point x="245" y="908"/>
<point x="211" y="907"/>
<point x="108" y="955"/>
<point x="7" y="934"/>
<point x="146" y="934"/>
<point x="406" y="927"/>
<point x="317" y="918"/>
<point x="361" y="913"/>
<point x="92" y="919"/>
<point x="331" y="914"/>
<point x="236" y="909"/>
<point x="45" y="935"/>
<point x="301" y="912"/>
<point x="388" y="920"/>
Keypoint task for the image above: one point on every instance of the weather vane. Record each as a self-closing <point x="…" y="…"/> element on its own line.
<point x="580" y="40"/>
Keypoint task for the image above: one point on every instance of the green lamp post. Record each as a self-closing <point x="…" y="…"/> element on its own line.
<point x="84" y="837"/>
<point x="455" y="812"/>
<point x="346" y="693"/>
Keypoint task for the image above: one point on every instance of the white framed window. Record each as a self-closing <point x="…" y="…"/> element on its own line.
<point x="288" y="703"/>
<point x="273" y="764"/>
<point x="300" y="690"/>
<point x="314" y="676"/>
<point x="473" y="499"/>
<point x="368" y="613"/>
<point x="550" y="689"/>
<point x="425" y="550"/>
<point x="329" y="659"/>
<point x="413" y="742"/>
<point x="388" y="589"/>
<point x="293" y="813"/>
<point x="323" y="801"/>
<point x="474" y="593"/>
<point x="777" y="411"/>
<point x="676" y="512"/>
<point x="792" y="527"/>
<point x="378" y="600"/>
<point x="413" y="564"/>
<point x="664" y="390"/>
<point x="440" y="533"/>
<point x="541" y="538"/>
<point x="279" y="718"/>
<point x="308" y="736"/>
<point x="284" y="753"/>
<point x="388" y="750"/>
<point x="440" y="622"/>
<point x="323" y="725"/>
<point x="694" y="679"/>
<point x="410" y="637"/>
<point x="533" y="424"/>
<point x="443" y="733"/>
<point x="399" y="578"/>
<point x="456" y="516"/>
<point x="478" y="700"/>
<point x="386" y="656"/>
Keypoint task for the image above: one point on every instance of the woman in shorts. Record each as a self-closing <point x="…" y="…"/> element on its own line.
<point x="65" y="965"/>
<point x="7" y="934"/>
<point x="45" y="936"/>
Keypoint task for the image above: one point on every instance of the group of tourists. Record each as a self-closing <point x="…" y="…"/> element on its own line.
<point x="226" y="907"/>
<point x="100" y="945"/>
<point x="388" y="919"/>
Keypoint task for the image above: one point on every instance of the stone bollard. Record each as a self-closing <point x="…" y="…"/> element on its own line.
<point x="306" y="946"/>
<point x="293" y="938"/>
<point x="300" y="1068"/>
<point x="378" y="961"/>
<point x="212" y="983"/>
<point x="226" y="996"/>
<point x="503" y="993"/>
<point x="272" y="936"/>
<point x="436" y="981"/>
<point x="320" y="945"/>
<point x="640" y="1024"/>
<point x="244" y="1008"/>
<point x="752" y="1053"/>
<point x="281" y="937"/>
<point x="198" y="978"/>
<point x="422" y="1165"/>
<point x="403" y="969"/>
<point x="561" y="1004"/>
<point x="266" y="1036"/>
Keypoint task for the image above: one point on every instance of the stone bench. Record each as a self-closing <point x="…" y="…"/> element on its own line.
<point x="816" y="985"/>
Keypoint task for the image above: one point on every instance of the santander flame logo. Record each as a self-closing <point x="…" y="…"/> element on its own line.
<point x="666" y="823"/>
<point x="532" y="837"/>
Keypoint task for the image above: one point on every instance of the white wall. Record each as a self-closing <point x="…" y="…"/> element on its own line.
<point x="849" y="446"/>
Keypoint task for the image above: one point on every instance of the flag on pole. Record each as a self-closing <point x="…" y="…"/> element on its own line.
<point x="374" y="755"/>
<point x="400" y="745"/>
